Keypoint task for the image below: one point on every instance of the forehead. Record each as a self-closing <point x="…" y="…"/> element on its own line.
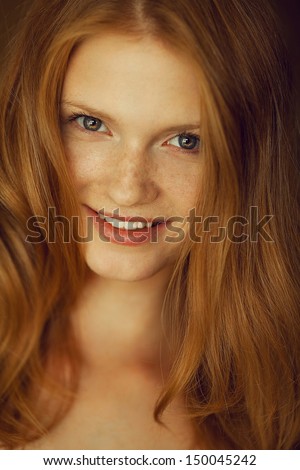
<point x="131" y="76"/>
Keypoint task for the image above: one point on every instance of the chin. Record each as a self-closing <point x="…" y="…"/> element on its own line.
<point x="125" y="267"/>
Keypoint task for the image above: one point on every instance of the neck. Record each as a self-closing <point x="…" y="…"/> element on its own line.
<point x="118" y="323"/>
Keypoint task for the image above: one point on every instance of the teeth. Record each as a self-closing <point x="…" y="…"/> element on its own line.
<point x="125" y="225"/>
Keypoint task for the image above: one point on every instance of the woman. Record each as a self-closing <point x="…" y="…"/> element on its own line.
<point x="149" y="222"/>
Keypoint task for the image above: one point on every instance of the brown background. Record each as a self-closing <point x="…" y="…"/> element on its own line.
<point x="288" y="13"/>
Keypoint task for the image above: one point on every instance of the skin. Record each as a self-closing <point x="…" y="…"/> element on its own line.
<point x="135" y="164"/>
<point x="145" y="94"/>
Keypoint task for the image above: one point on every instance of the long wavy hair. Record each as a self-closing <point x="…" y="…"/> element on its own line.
<point x="230" y="313"/>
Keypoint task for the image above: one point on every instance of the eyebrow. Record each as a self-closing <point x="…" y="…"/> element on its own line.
<point x="108" y="119"/>
<point x="88" y="110"/>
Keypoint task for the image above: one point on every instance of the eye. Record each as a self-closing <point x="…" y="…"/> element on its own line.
<point x="189" y="142"/>
<point x="90" y="123"/>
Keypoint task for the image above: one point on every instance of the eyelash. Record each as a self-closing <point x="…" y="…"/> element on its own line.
<point x="74" y="116"/>
<point x="190" y="135"/>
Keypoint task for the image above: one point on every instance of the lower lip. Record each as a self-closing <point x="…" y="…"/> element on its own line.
<point x="125" y="237"/>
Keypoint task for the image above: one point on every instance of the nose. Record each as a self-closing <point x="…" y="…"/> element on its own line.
<point x="132" y="181"/>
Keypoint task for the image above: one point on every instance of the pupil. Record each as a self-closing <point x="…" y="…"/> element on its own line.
<point x="188" y="142"/>
<point x="91" y="124"/>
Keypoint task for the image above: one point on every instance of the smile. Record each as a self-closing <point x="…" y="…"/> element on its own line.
<point x="116" y="223"/>
<point x="127" y="231"/>
<point x="129" y="225"/>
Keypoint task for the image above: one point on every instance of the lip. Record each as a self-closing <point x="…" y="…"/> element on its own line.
<point x="130" y="218"/>
<point x="121" y="236"/>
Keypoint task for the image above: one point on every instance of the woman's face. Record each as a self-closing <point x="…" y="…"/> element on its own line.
<point x="130" y="124"/>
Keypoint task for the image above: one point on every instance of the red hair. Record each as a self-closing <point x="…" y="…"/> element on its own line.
<point x="231" y="310"/>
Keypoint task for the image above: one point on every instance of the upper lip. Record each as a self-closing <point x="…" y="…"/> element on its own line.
<point x="130" y="218"/>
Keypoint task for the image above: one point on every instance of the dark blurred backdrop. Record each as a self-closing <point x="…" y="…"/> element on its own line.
<point x="288" y="13"/>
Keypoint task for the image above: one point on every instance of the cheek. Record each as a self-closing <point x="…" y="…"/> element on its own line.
<point x="92" y="167"/>
<point x="84" y="164"/>
<point x="183" y="187"/>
